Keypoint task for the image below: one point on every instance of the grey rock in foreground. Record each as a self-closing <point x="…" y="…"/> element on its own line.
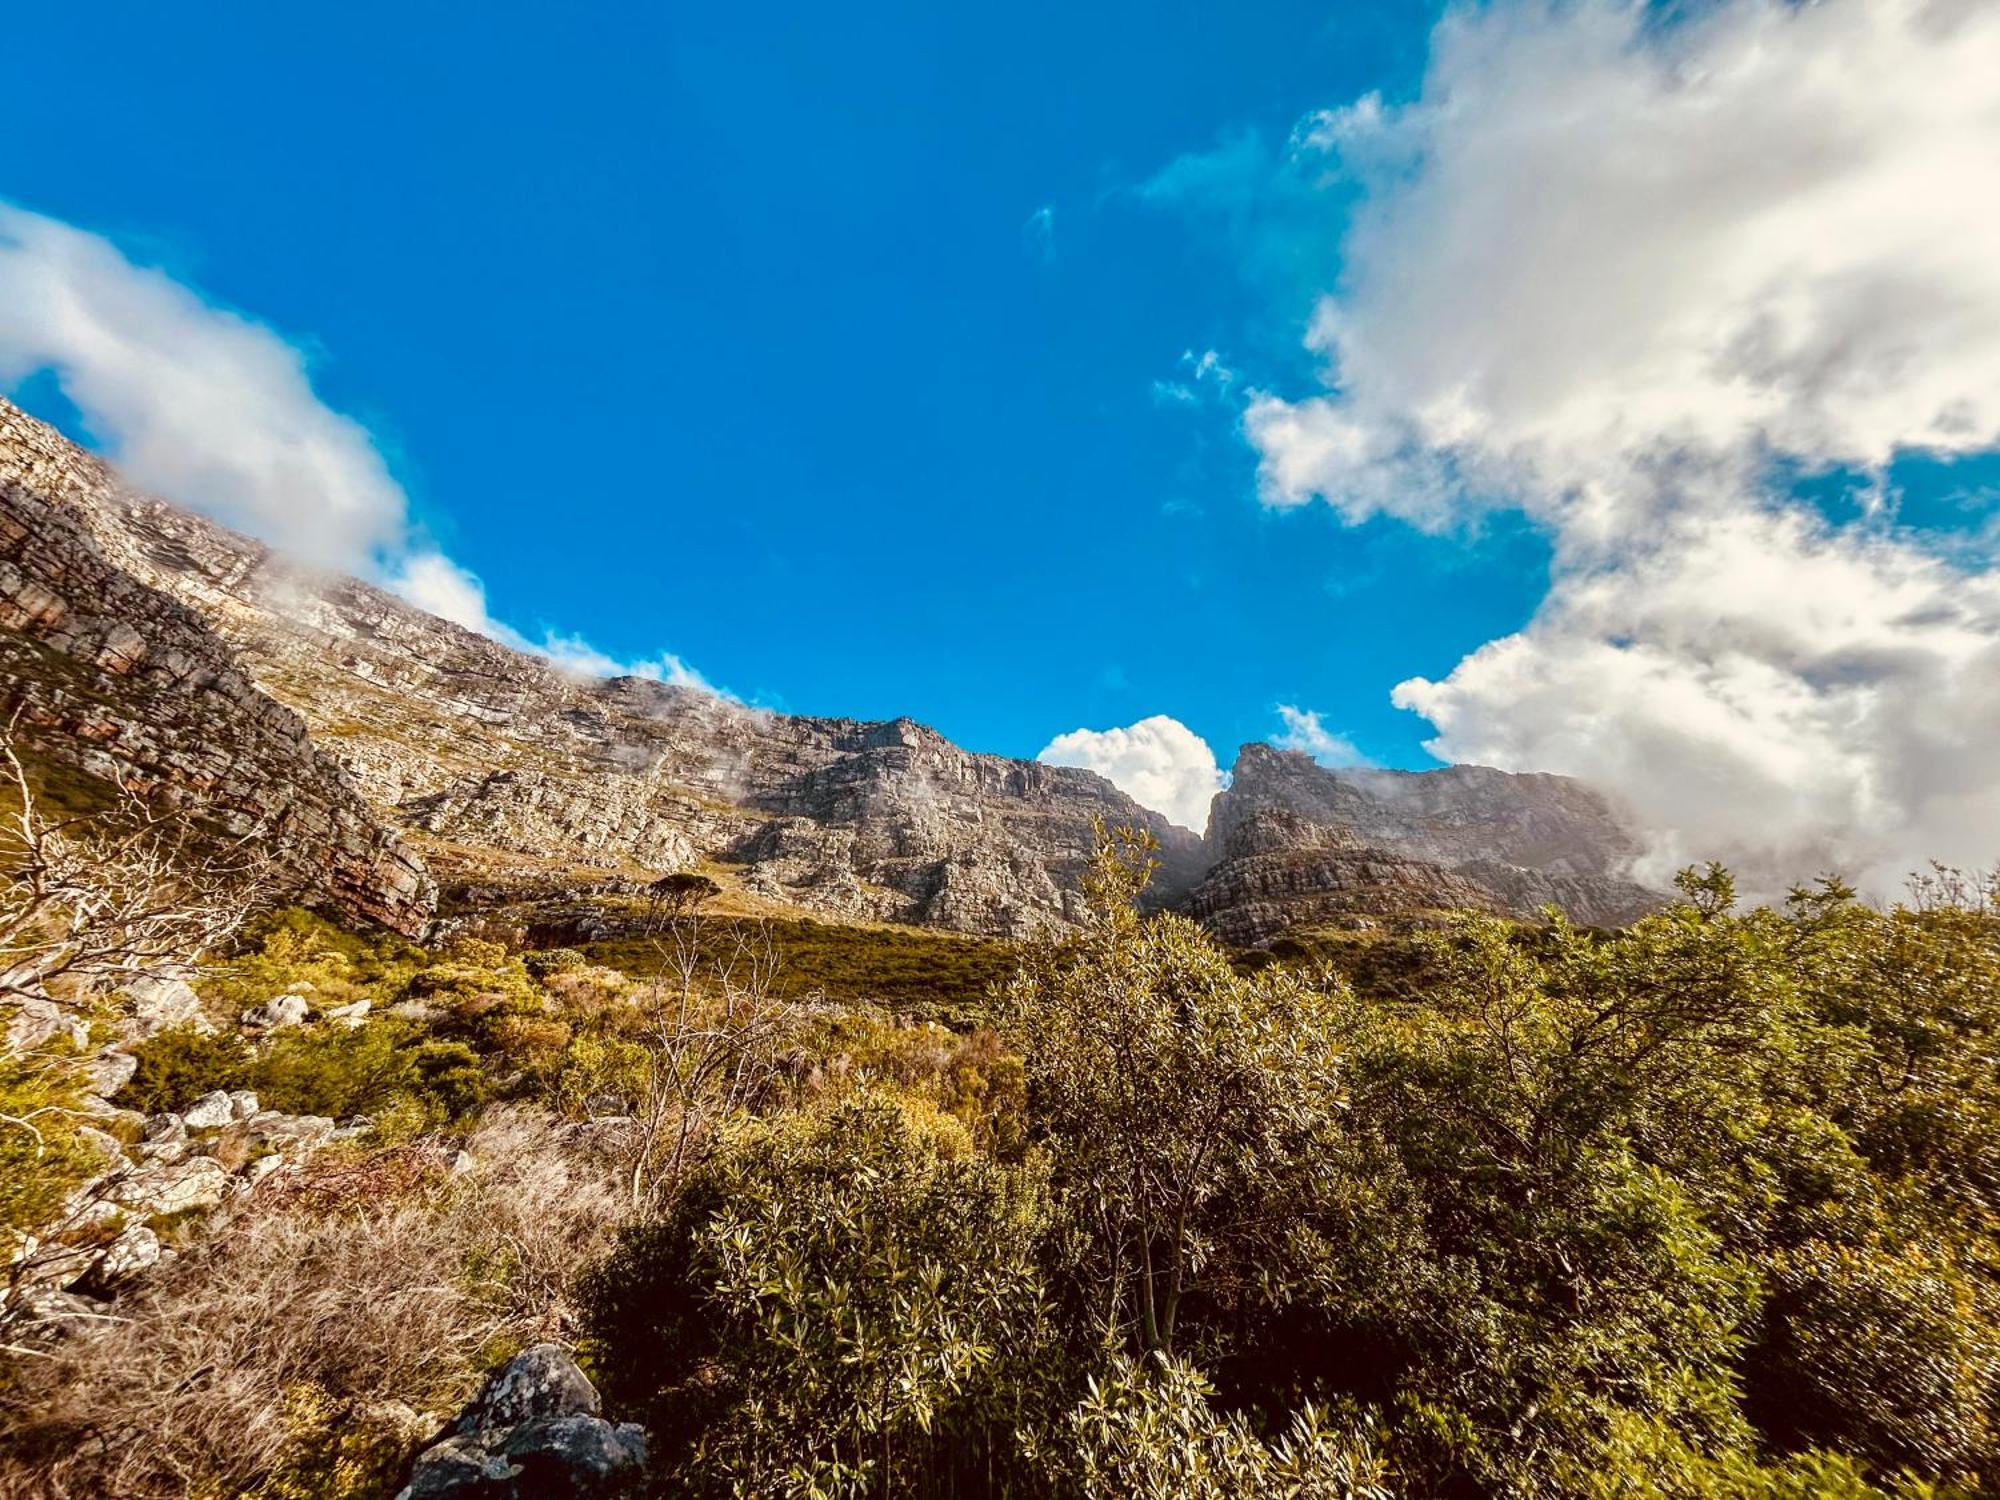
<point x="533" y="1431"/>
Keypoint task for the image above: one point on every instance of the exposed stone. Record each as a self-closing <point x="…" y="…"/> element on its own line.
<point x="158" y="1001"/>
<point x="242" y="1104"/>
<point x="121" y="681"/>
<point x="351" y="1016"/>
<point x="541" y="1381"/>
<point x="36" y="1019"/>
<point x="276" y="1131"/>
<point x="279" y="1011"/>
<point x="208" y="1112"/>
<point x="533" y="1431"/>
<point x="1299" y="845"/>
<point x="169" y="1187"/>
<point x="108" y="1072"/>
<point x="135" y="1250"/>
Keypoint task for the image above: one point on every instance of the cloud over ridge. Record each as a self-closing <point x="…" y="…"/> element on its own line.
<point x="1632" y="274"/>
<point x="216" y="411"/>
<point x="1158" y="762"/>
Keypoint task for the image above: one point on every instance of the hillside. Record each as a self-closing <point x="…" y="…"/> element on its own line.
<point x="519" y="787"/>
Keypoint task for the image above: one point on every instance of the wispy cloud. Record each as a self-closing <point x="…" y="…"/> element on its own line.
<point x="1304" y="730"/>
<point x="208" y="407"/>
<point x="1038" y="233"/>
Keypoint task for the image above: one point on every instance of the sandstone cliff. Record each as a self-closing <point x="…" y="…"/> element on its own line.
<point x="497" y="763"/>
<point x="1295" y="844"/>
<point x="376" y="740"/>
<point x="125" y="684"/>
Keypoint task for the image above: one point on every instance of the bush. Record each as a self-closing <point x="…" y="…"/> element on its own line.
<point x="180" y="1064"/>
<point x="842" y="1303"/>
<point x="341" y="1073"/>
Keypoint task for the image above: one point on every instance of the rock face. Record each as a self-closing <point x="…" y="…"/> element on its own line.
<point x="125" y="684"/>
<point x="146" y="643"/>
<point x="469" y="746"/>
<point x="534" y="1430"/>
<point x="1299" y="845"/>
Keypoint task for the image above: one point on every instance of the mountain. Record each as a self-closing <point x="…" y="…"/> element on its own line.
<point x="505" y="772"/>
<point x="1295" y="844"/>
<point x="399" y="760"/>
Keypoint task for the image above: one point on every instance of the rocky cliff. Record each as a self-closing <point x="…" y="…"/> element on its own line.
<point x="496" y="763"/>
<point x="1299" y="845"/>
<point x="375" y="740"/>
<point x="1295" y="844"/>
<point x="124" y="684"/>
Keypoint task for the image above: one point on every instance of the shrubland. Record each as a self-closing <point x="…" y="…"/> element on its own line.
<point x="1705" y="1206"/>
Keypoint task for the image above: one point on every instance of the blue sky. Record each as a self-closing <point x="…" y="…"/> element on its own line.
<point x="818" y="347"/>
<point x="1590" y="386"/>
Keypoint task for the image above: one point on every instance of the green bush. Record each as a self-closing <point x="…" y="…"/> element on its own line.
<point x="180" y="1064"/>
<point x="341" y="1073"/>
<point x="842" y="1303"/>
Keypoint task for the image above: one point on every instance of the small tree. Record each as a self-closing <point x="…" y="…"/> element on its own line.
<point x="678" y="895"/>
<point x="1176" y="1100"/>
<point x="712" y="1040"/>
<point x="91" y="899"/>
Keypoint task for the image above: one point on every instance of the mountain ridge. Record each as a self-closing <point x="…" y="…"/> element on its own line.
<point x="489" y="765"/>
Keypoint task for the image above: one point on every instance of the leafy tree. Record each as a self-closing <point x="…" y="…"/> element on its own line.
<point x="841" y="1303"/>
<point x="1180" y="1105"/>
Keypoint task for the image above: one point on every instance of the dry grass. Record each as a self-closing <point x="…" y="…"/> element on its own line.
<point x="369" y="1285"/>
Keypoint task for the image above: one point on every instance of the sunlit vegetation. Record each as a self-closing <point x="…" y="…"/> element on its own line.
<point x="1703" y="1207"/>
<point x="918" y="971"/>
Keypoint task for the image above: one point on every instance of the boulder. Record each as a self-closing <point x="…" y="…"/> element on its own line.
<point x="280" y="1132"/>
<point x="350" y="1016"/>
<point x="136" y="1249"/>
<point x="533" y="1431"/>
<point x="108" y="1072"/>
<point x="242" y="1104"/>
<point x="209" y="1112"/>
<point x="278" y="1011"/>
<point x="37" y="1019"/>
<point x="157" y="1002"/>
<point x="170" y="1187"/>
<point x="542" y="1381"/>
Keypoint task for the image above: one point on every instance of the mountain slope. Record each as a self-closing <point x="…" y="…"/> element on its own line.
<point x="499" y="765"/>
<point x="1295" y="844"/>
<point x="120" y="683"/>
<point x="402" y="742"/>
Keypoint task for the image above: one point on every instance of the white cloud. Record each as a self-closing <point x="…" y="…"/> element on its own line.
<point x="1158" y="762"/>
<point x="197" y="402"/>
<point x="1305" y="731"/>
<point x="1619" y="270"/>
<point x="217" y="411"/>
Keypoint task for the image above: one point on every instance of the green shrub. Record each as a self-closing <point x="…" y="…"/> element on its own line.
<point x="42" y="1158"/>
<point x="180" y="1064"/>
<point x="842" y="1303"/>
<point x="341" y="1073"/>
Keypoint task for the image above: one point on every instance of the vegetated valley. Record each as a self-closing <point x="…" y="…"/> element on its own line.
<point x="429" y="1074"/>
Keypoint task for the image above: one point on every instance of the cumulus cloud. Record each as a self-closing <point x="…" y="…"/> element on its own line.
<point x="1628" y="271"/>
<point x="1304" y="730"/>
<point x="217" y="411"/>
<point x="1158" y="762"/>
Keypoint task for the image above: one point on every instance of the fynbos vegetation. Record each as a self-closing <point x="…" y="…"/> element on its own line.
<point x="1703" y="1206"/>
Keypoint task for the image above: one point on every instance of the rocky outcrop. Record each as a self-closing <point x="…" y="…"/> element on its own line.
<point x="151" y="643"/>
<point x="122" y="683"/>
<point x="1299" y="845"/>
<point x="534" y="1430"/>
<point x="489" y="757"/>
